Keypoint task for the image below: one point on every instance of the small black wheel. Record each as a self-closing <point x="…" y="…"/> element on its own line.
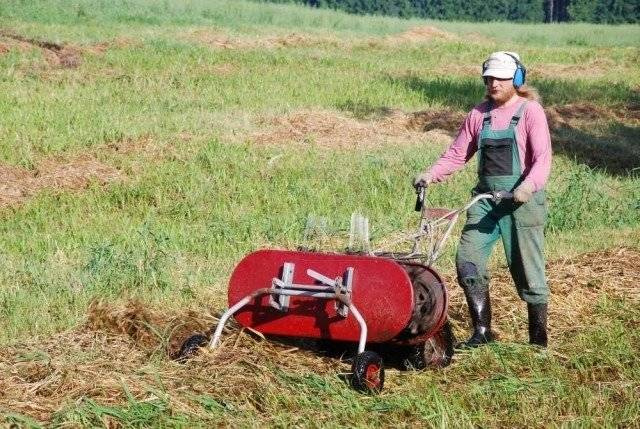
<point x="436" y="352"/>
<point x="367" y="372"/>
<point x="191" y="346"/>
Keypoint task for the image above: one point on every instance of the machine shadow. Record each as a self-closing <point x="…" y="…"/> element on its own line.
<point x="392" y="354"/>
<point x="613" y="150"/>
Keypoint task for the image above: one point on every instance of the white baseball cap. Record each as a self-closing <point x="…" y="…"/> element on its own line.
<point x="501" y="65"/>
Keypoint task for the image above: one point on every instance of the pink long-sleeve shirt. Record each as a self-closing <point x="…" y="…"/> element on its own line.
<point x="532" y="135"/>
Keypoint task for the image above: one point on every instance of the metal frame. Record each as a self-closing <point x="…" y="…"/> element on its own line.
<point x="428" y="227"/>
<point x="338" y="289"/>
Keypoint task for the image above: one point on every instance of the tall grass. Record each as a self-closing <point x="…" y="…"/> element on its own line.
<point x="241" y="15"/>
<point x="214" y="201"/>
<point x="181" y="225"/>
<point x="165" y="87"/>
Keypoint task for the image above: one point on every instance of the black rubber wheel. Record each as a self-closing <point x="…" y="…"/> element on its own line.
<point x="191" y="346"/>
<point x="367" y="372"/>
<point x="436" y="352"/>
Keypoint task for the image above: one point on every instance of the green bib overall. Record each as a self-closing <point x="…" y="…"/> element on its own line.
<point x="521" y="226"/>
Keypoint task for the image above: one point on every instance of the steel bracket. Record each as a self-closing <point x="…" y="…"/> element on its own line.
<point x="342" y="288"/>
<point x="277" y="301"/>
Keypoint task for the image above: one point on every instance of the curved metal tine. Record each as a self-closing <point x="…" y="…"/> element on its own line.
<point x="359" y="240"/>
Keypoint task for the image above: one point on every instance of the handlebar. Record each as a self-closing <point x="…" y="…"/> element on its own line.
<point x="420" y="190"/>
<point x="494" y="195"/>
<point x="429" y="225"/>
<point x="501" y="195"/>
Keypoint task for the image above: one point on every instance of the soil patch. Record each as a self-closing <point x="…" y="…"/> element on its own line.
<point x="56" y="54"/>
<point x="330" y="129"/>
<point x="18" y="184"/>
<point x="122" y="349"/>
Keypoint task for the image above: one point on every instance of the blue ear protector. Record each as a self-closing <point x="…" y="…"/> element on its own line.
<point x="519" y="76"/>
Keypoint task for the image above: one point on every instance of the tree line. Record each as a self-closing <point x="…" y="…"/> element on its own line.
<point x="599" y="11"/>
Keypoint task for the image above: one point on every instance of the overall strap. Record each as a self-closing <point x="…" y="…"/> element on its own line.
<point x="486" y="119"/>
<point x="516" y="117"/>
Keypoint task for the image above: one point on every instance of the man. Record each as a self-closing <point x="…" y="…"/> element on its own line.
<point x="510" y="133"/>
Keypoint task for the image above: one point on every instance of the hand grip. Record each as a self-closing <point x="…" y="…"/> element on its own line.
<point x="499" y="195"/>
<point x="419" y="198"/>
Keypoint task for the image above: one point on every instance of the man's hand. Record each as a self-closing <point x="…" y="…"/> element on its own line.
<point x="523" y="193"/>
<point x="422" y="180"/>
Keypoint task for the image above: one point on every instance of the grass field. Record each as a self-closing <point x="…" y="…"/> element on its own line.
<point x="150" y="145"/>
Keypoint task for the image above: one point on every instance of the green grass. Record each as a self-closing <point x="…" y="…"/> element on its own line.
<point x="243" y="16"/>
<point x="172" y="232"/>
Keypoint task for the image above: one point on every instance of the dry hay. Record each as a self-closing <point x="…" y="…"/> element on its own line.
<point x="479" y="38"/>
<point x="128" y="145"/>
<point x="223" y="41"/>
<point x="56" y="55"/>
<point x="7" y="45"/>
<point x="224" y="69"/>
<point x="121" y="350"/>
<point x="18" y="184"/>
<point x="100" y="48"/>
<point x="576" y="285"/>
<point x="595" y="68"/>
<point x="414" y="35"/>
<point x="468" y="70"/>
<point x="124" y="347"/>
<point x="420" y="34"/>
<point x="583" y="114"/>
<point x="330" y="129"/>
<point x="133" y="154"/>
<point x="427" y="120"/>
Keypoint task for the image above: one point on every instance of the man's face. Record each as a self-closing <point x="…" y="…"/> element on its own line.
<point x="500" y="90"/>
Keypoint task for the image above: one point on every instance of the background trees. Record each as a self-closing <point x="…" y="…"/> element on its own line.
<point x="601" y="11"/>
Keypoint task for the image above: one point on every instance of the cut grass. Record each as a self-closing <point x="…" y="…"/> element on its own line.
<point x="588" y="376"/>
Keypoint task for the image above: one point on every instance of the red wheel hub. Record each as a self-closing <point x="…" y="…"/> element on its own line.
<point x="372" y="376"/>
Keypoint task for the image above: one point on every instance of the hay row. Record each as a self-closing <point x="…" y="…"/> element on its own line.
<point x="324" y="128"/>
<point x="18" y="184"/>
